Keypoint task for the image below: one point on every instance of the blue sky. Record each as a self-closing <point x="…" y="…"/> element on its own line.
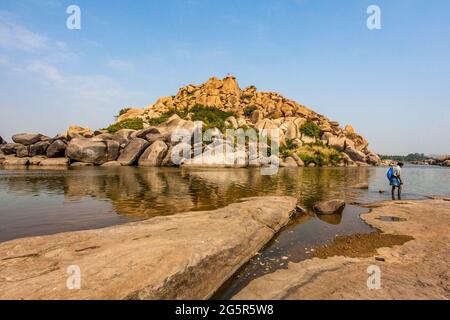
<point x="392" y="85"/>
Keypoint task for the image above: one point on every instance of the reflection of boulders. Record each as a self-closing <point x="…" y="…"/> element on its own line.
<point x="334" y="219"/>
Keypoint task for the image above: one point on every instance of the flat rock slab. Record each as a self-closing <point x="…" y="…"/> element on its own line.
<point x="418" y="269"/>
<point x="184" y="256"/>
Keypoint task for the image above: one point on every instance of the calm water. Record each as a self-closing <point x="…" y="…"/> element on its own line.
<point x="37" y="202"/>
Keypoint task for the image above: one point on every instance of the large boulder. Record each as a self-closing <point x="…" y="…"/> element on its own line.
<point x="22" y="151"/>
<point x="355" y="155"/>
<point x="337" y="143"/>
<point x="10" y="148"/>
<point x="132" y="151"/>
<point x="446" y="163"/>
<point x="329" y="207"/>
<point x="123" y="136"/>
<point x="56" y="149"/>
<point x="39" y="148"/>
<point x="27" y="138"/>
<point x="154" y="155"/>
<point x="373" y="159"/>
<point x="92" y="151"/>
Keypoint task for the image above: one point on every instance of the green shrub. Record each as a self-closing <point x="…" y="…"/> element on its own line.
<point x="311" y="129"/>
<point x="249" y="110"/>
<point x="307" y="158"/>
<point x="135" y="124"/>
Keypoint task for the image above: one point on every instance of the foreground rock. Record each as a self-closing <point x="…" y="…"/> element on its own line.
<point x="185" y="256"/>
<point x="329" y="207"/>
<point x="419" y="269"/>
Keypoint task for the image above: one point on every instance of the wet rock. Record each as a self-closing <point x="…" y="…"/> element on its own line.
<point x="361" y="186"/>
<point x="81" y="164"/>
<point x="56" y="149"/>
<point x="36" y="160"/>
<point x="92" y="151"/>
<point x="55" y="162"/>
<point x="329" y="207"/>
<point x="132" y="151"/>
<point x="10" y="161"/>
<point x="27" y="138"/>
<point x="153" y="155"/>
<point x="39" y="148"/>
<point x="112" y="164"/>
<point x="289" y="162"/>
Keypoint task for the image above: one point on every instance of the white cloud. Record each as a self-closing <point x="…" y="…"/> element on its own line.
<point x="14" y="36"/>
<point x="48" y="71"/>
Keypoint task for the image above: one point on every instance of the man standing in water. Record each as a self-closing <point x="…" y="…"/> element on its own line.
<point x="396" y="180"/>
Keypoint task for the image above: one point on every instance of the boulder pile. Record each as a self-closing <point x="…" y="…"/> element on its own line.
<point x="154" y="145"/>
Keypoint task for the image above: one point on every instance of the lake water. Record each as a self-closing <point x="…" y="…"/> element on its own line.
<point x="39" y="202"/>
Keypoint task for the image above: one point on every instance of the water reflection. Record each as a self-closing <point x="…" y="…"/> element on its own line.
<point x="34" y="202"/>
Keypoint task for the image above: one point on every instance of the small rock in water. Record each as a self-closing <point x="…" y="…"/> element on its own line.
<point x="381" y="191"/>
<point x="284" y="258"/>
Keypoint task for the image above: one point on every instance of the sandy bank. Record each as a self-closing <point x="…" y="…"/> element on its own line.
<point x="418" y="269"/>
<point x="184" y="256"/>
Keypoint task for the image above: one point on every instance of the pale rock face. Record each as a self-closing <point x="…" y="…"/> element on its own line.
<point x="337" y="143"/>
<point x="79" y="132"/>
<point x="230" y="85"/>
<point x="355" y="155"/>
<point x="131" y="114"/>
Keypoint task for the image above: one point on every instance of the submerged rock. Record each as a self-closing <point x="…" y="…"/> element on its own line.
<point x="329" y="207"/>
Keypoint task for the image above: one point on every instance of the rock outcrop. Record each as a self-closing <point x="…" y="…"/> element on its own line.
<point x="184" y="256"/>
<point x="306" y="138"/>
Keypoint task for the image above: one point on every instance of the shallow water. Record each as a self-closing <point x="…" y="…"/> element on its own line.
<point x="37" y="202"/>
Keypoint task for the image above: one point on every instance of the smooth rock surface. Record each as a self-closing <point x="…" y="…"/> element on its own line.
<point x="27" y="138"/>
<point x="184" y="256"/>
<point x="417" y="269"/>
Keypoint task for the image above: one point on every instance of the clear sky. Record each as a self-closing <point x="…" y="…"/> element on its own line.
<point x="392" y="85"/>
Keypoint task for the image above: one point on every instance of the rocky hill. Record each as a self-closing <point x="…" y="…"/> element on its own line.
<point x="305" y="134"/>
<point x="142" y="136"/>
